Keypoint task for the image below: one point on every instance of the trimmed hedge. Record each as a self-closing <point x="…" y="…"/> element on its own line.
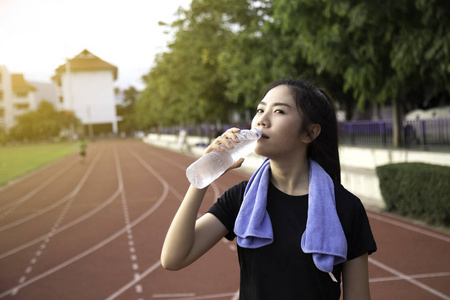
<point x="417" y="190"/>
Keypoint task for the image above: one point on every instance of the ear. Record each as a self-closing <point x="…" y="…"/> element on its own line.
<point x="312" y="133"/>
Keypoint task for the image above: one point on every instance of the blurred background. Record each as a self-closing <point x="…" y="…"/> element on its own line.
<point x="72" y="70"/>
<point x="86" y="85"/>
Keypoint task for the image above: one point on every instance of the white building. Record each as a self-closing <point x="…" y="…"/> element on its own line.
<point x="441" y="112"/>
<point x="16" y="97"/>
<point x="45" y="91"/>
<point x="86" y="88"/>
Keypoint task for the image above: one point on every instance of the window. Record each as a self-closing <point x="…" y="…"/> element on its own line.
<point x="22" y="106"/>
<point x="21" y="94"/>
<point x="1" y="95"/>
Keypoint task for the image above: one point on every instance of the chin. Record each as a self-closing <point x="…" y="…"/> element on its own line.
<point x="260" y="151"/>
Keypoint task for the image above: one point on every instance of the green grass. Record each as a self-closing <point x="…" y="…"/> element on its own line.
<point x="16" y="161"/>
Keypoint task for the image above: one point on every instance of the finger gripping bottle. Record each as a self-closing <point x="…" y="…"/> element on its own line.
<point x="210" y="166"/>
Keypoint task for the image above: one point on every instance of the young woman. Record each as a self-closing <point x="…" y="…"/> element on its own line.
<point x="297" y="220"/>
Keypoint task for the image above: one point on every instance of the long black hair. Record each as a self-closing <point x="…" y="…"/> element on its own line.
<point x="316" y="107"/>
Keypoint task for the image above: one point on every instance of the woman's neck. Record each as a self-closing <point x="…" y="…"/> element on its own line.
<point x="290" y="176"/>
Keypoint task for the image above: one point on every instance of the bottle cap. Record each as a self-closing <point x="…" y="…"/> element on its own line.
<point x="258" y="133"/>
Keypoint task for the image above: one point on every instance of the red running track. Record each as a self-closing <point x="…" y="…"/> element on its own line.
<point x="94" y="230"/>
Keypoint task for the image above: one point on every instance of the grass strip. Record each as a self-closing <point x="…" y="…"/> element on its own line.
<point x="16" y="161"/>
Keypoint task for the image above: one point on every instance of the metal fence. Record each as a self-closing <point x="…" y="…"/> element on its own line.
<point x="423" y="134"/>
<point x="416" y="133"/>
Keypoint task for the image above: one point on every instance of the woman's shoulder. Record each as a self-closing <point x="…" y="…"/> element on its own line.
<point x="227" y="206"/>
<point x="236" y="191"/>
<point x="345" y="200"/>
<point x="355" y="223"/>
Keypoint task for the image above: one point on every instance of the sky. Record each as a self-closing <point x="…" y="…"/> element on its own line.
<point x="37" y="36"/>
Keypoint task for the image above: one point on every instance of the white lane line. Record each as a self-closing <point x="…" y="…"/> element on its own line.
<point x="173" y="295"/>
<point x="20" y="201"/>
<point x="126" y="214"/>
<point x="134" y="282"/>
<point x="409" y="227"/>
<point x="409" y="279"/>
<point x="395" y="278"/>
<point x="214" y="296"/>
<point x="13" y="205"/>
<point x="64" y="227"/>
<point x="158" y="263"/>
<point x="57" y="203"/>
<point x="236" y="296"/>
<point x="99" y="245"/>
<point x="38" y="253"/>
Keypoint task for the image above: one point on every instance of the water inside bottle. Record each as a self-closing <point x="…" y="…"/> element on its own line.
<point x="208" y="168"/>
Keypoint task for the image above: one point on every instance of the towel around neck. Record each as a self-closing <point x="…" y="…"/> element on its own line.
<point x="323" y="237"/>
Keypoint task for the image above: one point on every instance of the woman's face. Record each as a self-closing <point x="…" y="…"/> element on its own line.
<point x="279" y="121"/>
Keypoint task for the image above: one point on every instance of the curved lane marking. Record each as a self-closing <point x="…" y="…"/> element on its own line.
<point x="72" y="194"/>
<point x="157" y="264"/>
<point x="13" y="205"/>
<point x="105" y="241"/>
<point x="409" y="227"/>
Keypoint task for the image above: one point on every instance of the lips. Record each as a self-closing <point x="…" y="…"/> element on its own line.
<point x="263" y="136"/>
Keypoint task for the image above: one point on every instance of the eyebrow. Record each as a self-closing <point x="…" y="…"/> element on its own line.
<point x="275" y="104"/>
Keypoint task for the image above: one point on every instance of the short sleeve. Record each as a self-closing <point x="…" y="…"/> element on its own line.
<point x="355" y="223"/>
<point x="227" y="206"/>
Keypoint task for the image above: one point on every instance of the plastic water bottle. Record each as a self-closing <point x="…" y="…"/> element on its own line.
<point x="210" y="166"/>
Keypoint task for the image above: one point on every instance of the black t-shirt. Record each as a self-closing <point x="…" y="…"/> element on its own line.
<point x="282" y="270"/>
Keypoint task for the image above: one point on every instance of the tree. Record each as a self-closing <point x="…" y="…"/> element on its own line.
<point x="266" y="50"/>
<point x="189" y="82"/>
<point x="184" y="86"/>
<point x="225" y="52"/>
<point x="40" y="124"/>
<point x="127" y="109"/>
<point x="382" y="50"/>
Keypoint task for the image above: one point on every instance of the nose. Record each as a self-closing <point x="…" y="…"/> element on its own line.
<point x="261" y="121"/>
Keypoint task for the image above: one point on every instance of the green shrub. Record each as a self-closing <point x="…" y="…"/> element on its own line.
<point x="417" y="190"/>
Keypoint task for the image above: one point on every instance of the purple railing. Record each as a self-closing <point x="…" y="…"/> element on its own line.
<point x="416" y="133"/>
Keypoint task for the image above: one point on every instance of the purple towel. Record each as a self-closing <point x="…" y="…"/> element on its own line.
<point x="323" y="237"/>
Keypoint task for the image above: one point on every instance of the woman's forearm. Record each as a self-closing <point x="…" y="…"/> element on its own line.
<point x="181" y="234"/>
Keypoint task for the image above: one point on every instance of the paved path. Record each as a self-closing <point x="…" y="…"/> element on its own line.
<point x="94" y="230"/>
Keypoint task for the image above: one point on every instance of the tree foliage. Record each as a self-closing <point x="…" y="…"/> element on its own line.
<point x="185" y="85"/>
<point x="41" y="124"/>
<point x="380" y="49"/>
<point x="225" y="52"/>
<point x="126" y="110"/>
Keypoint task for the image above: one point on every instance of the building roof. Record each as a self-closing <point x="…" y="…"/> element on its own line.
<point x="20" y="85"/>
<point x="85" y="61"/>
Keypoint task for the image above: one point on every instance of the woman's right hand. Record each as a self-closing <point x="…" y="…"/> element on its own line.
<point x="224" y="142"/>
